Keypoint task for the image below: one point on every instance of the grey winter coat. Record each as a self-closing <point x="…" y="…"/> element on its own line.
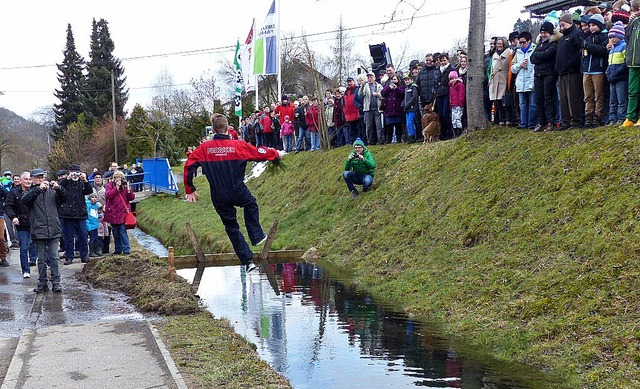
<point x="365" y="92"/>
<point x="43" y="211"/>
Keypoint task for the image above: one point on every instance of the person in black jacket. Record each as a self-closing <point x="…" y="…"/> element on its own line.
<point x="17" y="214"/>
<point x="3" y="244"/>
<point x="427" y="81"/>
<point x="594" y="64"/>
<point x="43" y="199"/>
<point x="74" y="213"/>
<point x="568" y="67"/>
<point x="545" y="77"/>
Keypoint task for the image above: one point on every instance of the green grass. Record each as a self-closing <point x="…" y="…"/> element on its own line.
<point x="525" y="244"/>
<point x="206" y="350"/>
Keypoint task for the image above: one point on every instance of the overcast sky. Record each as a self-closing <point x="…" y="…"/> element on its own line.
<point x="33" y="36"/>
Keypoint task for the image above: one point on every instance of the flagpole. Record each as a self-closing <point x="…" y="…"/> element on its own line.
<point x="257" y="83"/>
<point x="278" y="56"/>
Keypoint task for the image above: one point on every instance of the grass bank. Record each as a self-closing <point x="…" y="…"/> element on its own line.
<point x="206" y="350"/>
<point x="525" y="244"/>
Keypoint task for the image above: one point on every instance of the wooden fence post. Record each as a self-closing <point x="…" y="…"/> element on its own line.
<point x="172" y="267"/>
<point x="199" y="255"/>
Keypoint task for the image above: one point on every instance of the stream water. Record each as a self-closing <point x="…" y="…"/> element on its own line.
<point x="320" y="333"/>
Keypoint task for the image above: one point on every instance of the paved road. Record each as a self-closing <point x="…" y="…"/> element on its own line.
<point x="81" y="338"/>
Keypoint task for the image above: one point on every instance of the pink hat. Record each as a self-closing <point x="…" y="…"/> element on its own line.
<point x="453" y="74"/>
<point x="286" y="117"/>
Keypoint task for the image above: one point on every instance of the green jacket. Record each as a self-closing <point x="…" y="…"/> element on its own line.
<point x="367" y="166"/>
<point x="632" y="36"/>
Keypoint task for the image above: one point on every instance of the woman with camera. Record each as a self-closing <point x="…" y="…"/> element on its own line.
<point x="118" y="194"/>
<point x="359" y="168"/>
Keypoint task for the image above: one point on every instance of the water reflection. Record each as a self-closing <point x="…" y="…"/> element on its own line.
<point x="321" y="334"/>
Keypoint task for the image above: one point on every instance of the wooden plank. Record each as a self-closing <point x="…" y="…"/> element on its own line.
<point x="172" y="267"/>
<point x="263" y="258"/>
<point x="231" y="259"/>
<point x="199" y="255"/>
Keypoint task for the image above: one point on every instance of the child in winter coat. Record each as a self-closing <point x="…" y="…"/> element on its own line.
<point x="286" y="133"/>
<point x="411" y="106"/>
<point x="457" y="97"/>
<point x="92" y="223"/>
<point x="594" y="64"/>
<point x="103" y="229"/>
<point x="617" y="74"/>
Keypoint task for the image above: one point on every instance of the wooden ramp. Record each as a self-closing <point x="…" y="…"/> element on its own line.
<point x="200" y="260"/>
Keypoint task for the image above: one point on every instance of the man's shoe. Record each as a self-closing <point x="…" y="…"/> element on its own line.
<point x="41" y="288"/>
<point x="549" y="127"/>
<point x="26" y="275"/>
<point x="4" y="263"/>
<point x="354" y="193"/>
<point x="637" y="123"/>
<point x="250" y="267"/>
<point x="538" y="128"/>
<point x="262" y="241"/>
<point x="32" y="264"/>
<point x="68" y="262"/>
<point x="56" y="288"/>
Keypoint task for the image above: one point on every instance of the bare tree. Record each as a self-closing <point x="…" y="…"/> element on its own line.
<point x="205" y="91"/>
<point x="342" y="53"/>
<point x="8" y="139"/>
<point x="475" y="76"/>
<point x="311" y="63"/>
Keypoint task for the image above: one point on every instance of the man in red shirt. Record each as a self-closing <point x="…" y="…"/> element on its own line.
<point x="284" y="109"/>
<point x="223" y="161"/>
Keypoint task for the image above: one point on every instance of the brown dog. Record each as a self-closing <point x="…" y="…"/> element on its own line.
<point x="430" y="124"/>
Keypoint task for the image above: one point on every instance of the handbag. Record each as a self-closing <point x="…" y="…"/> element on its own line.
<point x="130" y="220"/>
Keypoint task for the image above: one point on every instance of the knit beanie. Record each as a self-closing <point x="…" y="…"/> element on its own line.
<point x="552" y="17"/>
<point x="585" y="19"/>
<point x="617" y="31"/>
<point x="566" y="17"/>
<point x="620" y="16"/>
<point x="453" y="74"/>
<point x="358" y="142"/>
<point x="598" y="20"/>
<point x="548" y="27"/>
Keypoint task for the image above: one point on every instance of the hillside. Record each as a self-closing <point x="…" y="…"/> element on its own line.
<point x="525" y="244"/>
<point x="23" y="143"/>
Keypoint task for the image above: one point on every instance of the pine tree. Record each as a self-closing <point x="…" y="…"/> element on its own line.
<point x="98" y="81"/>
<point x="71" y="78"/>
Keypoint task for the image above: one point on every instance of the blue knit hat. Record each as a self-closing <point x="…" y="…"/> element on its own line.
<point x="617" y="31"/>
<point x="598" y="20"/>
<point x="358" y="142"/>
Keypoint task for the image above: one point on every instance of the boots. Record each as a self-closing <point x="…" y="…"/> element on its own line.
<point x="98" y="248"/>
<point x="92" y="250"/>
<point x="588" y="121"/>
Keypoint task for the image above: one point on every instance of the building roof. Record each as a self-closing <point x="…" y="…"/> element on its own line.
<point x="544" y="7"/>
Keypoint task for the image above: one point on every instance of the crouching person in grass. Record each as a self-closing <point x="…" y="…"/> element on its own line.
<point x="359" y="168"/>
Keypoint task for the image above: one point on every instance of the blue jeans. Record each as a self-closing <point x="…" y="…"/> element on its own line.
<point x="73" y="228"/>
<point x="121" y="239"/>
<point x="28" y="250"/>
<point x="618" y="101"/>
<point x="315" y="140"/>
<point x="528" y="112"/>
<point x="288" y="143"/>
<point x="352" y="178"/>
<point x="303" y="134"/>
<point x="411" y="123"/>
<point x="342" y="135"/>
<point x="260" y="141"/>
